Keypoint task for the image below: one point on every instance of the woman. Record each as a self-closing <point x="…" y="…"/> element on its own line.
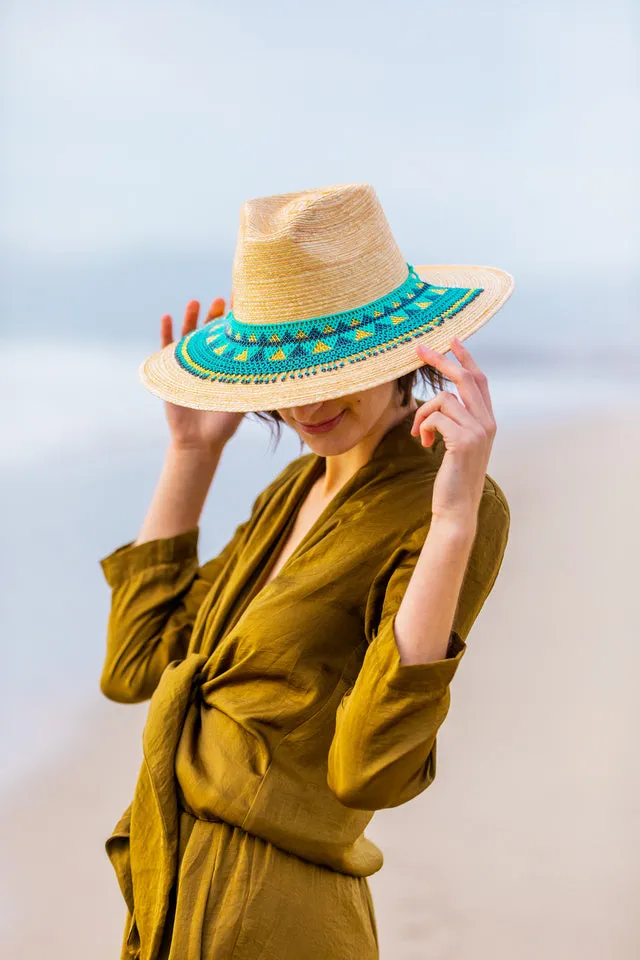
<point x="298" y="679"/>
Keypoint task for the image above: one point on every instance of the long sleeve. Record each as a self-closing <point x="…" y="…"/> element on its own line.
<point x="157" y="588"/>
<point x="383" y="750"/>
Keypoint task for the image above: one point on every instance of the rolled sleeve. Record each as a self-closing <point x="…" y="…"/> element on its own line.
<point x="383" y="751"/>
<point x="429" y="679"/>
<point x="157" y="588"/>
<point x="132" y="557"/>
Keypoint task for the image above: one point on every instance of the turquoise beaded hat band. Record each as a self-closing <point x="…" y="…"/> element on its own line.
<point x="324" y="304"/>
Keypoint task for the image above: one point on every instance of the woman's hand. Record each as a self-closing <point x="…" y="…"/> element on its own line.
<point x="468" y="429"/>
<point x="204" y="430"/>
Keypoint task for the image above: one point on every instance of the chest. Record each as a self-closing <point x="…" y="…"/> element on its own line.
<point x="298" y="601"/>
<point x="306" y="516"/>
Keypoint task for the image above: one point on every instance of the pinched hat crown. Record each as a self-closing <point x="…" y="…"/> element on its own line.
<point x="313" y="253"/>
<point x="324" y="304"/>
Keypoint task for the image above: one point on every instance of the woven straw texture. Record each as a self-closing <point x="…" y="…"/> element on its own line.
<point x="324" y="305"/>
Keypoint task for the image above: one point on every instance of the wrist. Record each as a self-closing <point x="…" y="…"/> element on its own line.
<point x="197" y="452"/>
<point x="460" y="528"/>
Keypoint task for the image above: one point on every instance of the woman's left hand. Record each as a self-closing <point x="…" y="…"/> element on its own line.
<point x="468" y="429"/>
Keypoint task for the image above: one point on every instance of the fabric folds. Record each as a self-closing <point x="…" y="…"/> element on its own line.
<point x="280" y="717"/>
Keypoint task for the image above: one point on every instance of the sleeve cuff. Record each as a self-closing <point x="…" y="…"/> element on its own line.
<point x="132" y="558"/>
<point x="431" y="678"/>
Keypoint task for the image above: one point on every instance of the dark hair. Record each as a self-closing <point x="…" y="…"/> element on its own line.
<point x="423" y="376"/>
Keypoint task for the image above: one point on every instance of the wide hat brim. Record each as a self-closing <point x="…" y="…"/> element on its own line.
<point x="164" y="376"/>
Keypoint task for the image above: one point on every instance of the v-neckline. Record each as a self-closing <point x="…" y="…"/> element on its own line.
<point x="300" y="491"/>
<point x="392" y="441"/>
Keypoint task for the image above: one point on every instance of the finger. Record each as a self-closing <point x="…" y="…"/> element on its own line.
<point x="450" y="430"/>
<point x="216" y="309"/>
<point x="190" y="317"/>
<point x="166" y="330"/>
<point x="464" y="379"/>
<point x="449" y="404"/>
<point x="465" y="358"/>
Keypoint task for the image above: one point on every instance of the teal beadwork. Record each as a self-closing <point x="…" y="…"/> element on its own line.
<point x="234" y="351"/>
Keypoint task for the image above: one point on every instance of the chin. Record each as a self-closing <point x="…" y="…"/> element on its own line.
<point x="330" y="443"/>
<point x="325" y="447"/>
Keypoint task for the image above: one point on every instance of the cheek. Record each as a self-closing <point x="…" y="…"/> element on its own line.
<point x="286" y="417"/>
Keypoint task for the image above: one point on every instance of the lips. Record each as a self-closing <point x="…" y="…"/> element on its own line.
<point x="322" y="425"/>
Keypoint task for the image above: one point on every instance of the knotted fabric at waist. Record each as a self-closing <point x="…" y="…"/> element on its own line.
<point x="274" y="804"/>
<point x="143" y="847"/>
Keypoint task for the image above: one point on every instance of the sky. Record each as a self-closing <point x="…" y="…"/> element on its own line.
<point x="495" y="133"/>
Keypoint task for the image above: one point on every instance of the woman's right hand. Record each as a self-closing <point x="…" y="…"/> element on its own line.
<point x="191" y="429"/>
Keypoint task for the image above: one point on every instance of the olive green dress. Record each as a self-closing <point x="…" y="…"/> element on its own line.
<point x="280" y="717"/>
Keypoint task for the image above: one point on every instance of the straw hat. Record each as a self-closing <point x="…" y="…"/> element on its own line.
<point x="324" y="304"/>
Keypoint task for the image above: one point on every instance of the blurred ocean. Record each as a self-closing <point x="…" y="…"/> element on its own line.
<point x="83" y="446"/>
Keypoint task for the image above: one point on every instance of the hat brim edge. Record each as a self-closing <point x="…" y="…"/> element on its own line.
<point x="163" y="376"/>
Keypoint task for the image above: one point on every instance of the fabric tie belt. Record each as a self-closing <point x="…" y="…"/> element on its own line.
<point x="143" y="846"/>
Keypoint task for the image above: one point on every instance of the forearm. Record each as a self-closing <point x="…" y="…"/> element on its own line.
<point x="423" y="623"/>
<point x="181" y="492"/>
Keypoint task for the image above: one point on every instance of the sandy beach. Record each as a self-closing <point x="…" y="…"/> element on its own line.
<point x="526" y="844"/>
